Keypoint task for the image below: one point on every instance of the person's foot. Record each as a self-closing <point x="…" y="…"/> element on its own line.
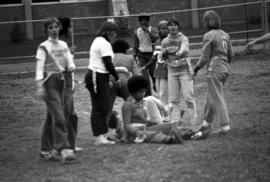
<point x="45" y="155"/>
<point x="203" y="132"/>
<point x="141" y="136"/>
<point x="51" y="155"/>
<point x="223" y="130"/>
<point x="205" y="126"/>
<point x="67" y="155"/>
<point x="102" y="140"/>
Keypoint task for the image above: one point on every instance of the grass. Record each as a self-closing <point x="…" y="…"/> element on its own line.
<point x="242" y="155"/>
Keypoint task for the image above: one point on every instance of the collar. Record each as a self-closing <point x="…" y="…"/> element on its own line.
<point x="53" y="40"/>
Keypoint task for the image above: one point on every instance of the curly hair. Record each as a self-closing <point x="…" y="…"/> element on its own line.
<point x="136" y="83"/>
<point x="120" y="46"/>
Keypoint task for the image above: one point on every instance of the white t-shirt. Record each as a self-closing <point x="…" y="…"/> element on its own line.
<point x="99" y="48"/>
<point x="61" y="58"/>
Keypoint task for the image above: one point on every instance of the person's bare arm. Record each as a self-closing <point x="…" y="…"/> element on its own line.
<point x="258" y="40"/>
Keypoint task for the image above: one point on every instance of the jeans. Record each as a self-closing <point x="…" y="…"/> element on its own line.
<point x="181" y="81"/>
<point x="162" y="90"/>
<point x="55" y="129"/>
<point x="71" y="115"/>
<point x="143" y="59"/>
<point x="215" y="103"/>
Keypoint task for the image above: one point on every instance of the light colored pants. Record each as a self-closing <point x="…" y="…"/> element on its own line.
<point x="162" y="90"/>
<point x="215" y="103"/>
<point x="181" y="82"/>
<point x="155" y="109"/>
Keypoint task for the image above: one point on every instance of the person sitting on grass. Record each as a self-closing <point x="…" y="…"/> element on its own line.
<point x="136" y="125"/>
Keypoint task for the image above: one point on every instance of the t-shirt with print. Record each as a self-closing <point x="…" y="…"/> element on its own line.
<point x="52" y="56"/>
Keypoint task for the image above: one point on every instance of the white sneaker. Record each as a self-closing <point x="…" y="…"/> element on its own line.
<point x="224" y="129"/>
<point x="102" y="140"/>
<point x="67" y="155"/>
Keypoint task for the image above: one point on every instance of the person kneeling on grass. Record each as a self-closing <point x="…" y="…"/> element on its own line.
<point x="138" y="129"/>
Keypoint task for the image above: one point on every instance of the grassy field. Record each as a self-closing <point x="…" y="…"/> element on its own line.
<point x="242" y="155"/>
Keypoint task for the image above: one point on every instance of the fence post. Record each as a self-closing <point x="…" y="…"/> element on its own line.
<point x="246" y="21"/>
<point x="72" y="31"/>
<point x="28" y="16"/>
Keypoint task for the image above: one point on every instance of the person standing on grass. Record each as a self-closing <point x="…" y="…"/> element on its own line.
<point x="54" y="63"/>
<point x="217" y="53"/>
<point x="143" y="48"/>
<point x="70" y="86"/>
<point x="98" y="77"/>
<point x="161" y="72"/>
<point x="263" y="38"/>
<point x="175" y="48"/>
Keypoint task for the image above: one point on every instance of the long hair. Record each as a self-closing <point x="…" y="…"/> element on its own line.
<point x="66" y="25"/>
<point x="211" y="20"/>
<point x="50" y="21"/>
<point x="106" y="27"/>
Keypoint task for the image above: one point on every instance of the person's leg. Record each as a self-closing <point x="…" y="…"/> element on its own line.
<point x="158" y="86"/>
<point x="174" y="94"/>
<point x="188" y="94"/>
<point x="99" y="98"/>
<point x="111" y="99"/>
<point x="155" y="108"/>
<point x="47" y="135"/>
<point x="163" y="89"/>
<point x="222" y="114"/>
<point x="54" y="87"/>
<point x="216" y="105"/>
<point x="143" y="60"/>
<point x="71" y="116"/>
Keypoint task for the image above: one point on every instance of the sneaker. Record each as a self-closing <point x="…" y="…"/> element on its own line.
<point x="67" y="155"/>
<point x="205" y="126"/>
<point x="203" y="133"/>
<point x="45" y="155"/>
<point x="223" y="130"/>
<point x="102" y="140"/>
<point x="141" y="136"/>
<point x="52" y="155"/>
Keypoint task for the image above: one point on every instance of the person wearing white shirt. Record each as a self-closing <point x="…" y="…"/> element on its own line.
<point x="54" y="60"/>
<point x="97" y="79"/>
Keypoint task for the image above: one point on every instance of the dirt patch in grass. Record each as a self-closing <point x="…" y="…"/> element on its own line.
<point x="242" y="155"/>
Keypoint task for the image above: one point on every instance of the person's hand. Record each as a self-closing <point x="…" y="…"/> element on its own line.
<point x="178" y="53"/>
<point x="73" y="49"/>
<point x="40" y="93"/>
<point x="250" y="45"/>
<point x="71" y="69"/>
<point x="195" y="70"/>
<point x="145" y="28"/>
<point x="181" y="54"/>
<point x="192" y="74"/>
<point x="143" y="68"/>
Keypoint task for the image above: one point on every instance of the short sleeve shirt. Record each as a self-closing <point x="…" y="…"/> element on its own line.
<point x="99" y="48"/>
